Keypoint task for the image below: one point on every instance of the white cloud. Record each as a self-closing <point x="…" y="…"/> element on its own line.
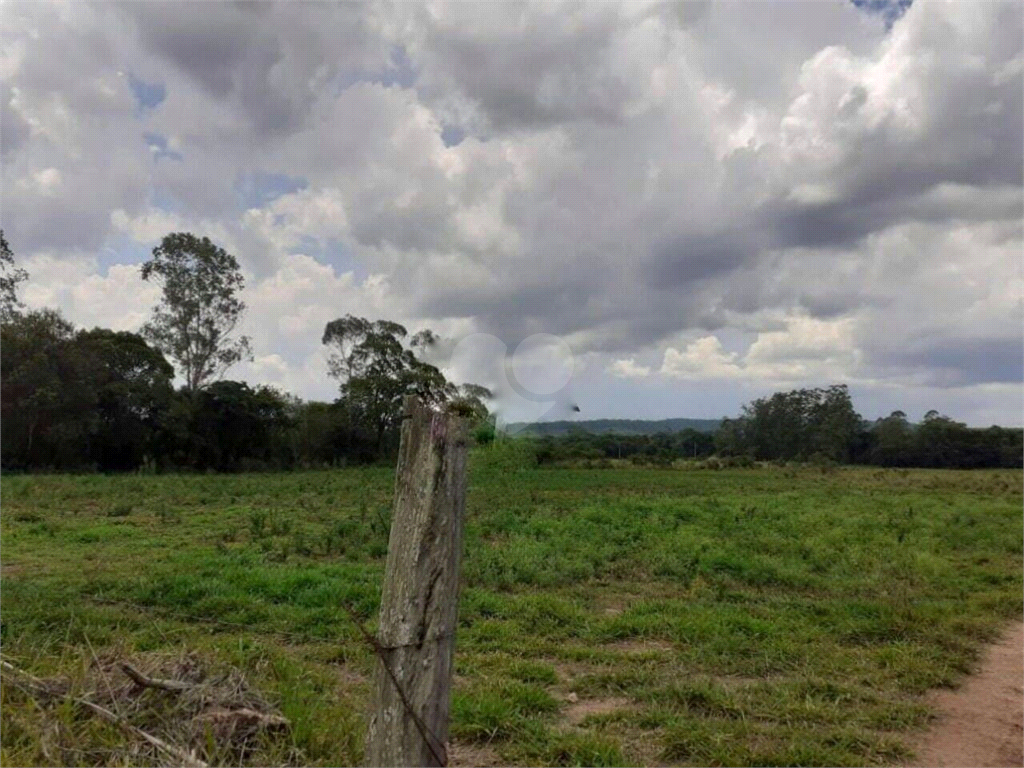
<point x="627" y="368"/>
<point x="802" y="350"/>
<point x="701" y="359"/>
<point x="120" y="300"/>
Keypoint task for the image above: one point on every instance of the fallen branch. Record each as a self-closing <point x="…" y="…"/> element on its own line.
<point x="31" y="682"/>
<point x="153" y="682"/>
<point x="245" y="718"/>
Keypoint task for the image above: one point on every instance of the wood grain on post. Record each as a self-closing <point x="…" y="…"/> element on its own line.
<point x="419" y="605"/>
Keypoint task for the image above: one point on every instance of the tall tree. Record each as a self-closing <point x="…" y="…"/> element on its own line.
<point x="78" y="400"/>
<point x="199" y="309"/>
<point x="471" y="401"/>
<point x="234" y="426"/>
<point x="376" y="369"/>
<point x="10" y="276"/>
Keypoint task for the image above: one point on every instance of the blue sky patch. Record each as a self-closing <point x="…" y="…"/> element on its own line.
<point x="163" y="200"/>
<point x="158" y="147"/>
<point x="400" y="72"/>
<point x="257" y="189"/>
<point x="147" y="95"/>
<point x="334" y="252"/>
<point x="452" y="135"/>
<point x="121" y="249"/>
<point x="889" y="10"/>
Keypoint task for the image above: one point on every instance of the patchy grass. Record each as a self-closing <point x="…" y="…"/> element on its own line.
<point x="731" y="617"/>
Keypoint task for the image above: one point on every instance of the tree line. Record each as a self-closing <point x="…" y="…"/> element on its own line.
<point x="817" y="426"/>
<point x="103" y="400"/>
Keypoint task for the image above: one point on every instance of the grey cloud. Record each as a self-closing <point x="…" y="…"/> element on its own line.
<point x="14" y="130"/>
<point x="955" y="362"/>
<point x="525" y="66"/>
<point x="902" y="192"/>
<point x="208" y="42"/>
<point x="692" y="257"/>
<point x="274" y="60"/>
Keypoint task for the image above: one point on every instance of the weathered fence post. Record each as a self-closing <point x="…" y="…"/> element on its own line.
<point x="419" y="606"/>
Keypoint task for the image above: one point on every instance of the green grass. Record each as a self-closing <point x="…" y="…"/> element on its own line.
<point x="735" y="617"/>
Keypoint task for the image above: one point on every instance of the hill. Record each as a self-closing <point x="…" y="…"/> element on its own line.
<point x="619" y="426"/>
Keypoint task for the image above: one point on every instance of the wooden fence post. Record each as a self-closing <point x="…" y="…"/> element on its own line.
<point x="419" y="607"/>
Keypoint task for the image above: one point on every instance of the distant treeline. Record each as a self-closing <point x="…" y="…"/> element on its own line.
<point x="818" y="426"/>
<point x="615" y="426"/>
<point x="100" y="400"/>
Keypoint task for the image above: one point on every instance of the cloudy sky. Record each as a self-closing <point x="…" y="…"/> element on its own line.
<point x="693" y="204"/>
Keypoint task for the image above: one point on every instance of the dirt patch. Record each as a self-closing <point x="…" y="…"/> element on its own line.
<point x="641" y="646"/>
<point x="982" y="722"/>
<point x="738" y="682"/>
<point x="580" y="710"/>
<point x="472" y="755"/>
<point x="567" y="671"/>
<point x="350" y="678"/>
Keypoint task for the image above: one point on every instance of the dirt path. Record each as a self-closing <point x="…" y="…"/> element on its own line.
<point x="982" y="722"/>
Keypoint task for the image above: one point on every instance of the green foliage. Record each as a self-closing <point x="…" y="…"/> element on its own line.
<point x="101" y="400"/>
<point x="199" y="308"/>
<point x="596" y="450"/>
<point x="91" y="399"/>
<point x="230" y="427"/>
<point x="795" y="425"/>
<point x="376" y="371"/>
<point x="820" y="426"/>
<point x="376" y="366"/>
<point x="10" y="277"/>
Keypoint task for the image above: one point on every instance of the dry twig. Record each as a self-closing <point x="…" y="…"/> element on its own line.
<point x="153" y="682"/>
<point x="34" y="684"/>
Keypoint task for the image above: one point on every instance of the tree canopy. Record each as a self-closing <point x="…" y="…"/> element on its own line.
<point x="10" y="277"/>
<point x="199" y="309"/>
<point x="376" y="366"/>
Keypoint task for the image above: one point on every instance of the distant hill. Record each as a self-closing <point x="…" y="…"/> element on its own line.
<point x="619" y="426"/>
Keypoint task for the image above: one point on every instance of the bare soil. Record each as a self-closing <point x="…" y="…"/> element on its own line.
<point x="982" y="722"/>
<point x="640" y="646"/>
<point x="581" y="709"/>
<point x="471" y="755"/>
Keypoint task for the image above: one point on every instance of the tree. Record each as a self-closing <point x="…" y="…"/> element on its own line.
<point x="376" y="369"/>
<point x="10" y="277"/>
<point x="941" y="441"/>
<point x="90" y="399"/>
<point x="795" y="425"/>
<point x="235" y="427"/>
<point x="199" y="309"/>
<point x="893" y="441"/>
<point x="132" y="389"/>
<point x="471" y="401"/>
<point x="38" y="386"/>
<point x="833" y="422"/>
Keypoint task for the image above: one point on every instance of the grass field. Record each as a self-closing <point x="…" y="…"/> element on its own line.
<point x="625" y="616"/>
